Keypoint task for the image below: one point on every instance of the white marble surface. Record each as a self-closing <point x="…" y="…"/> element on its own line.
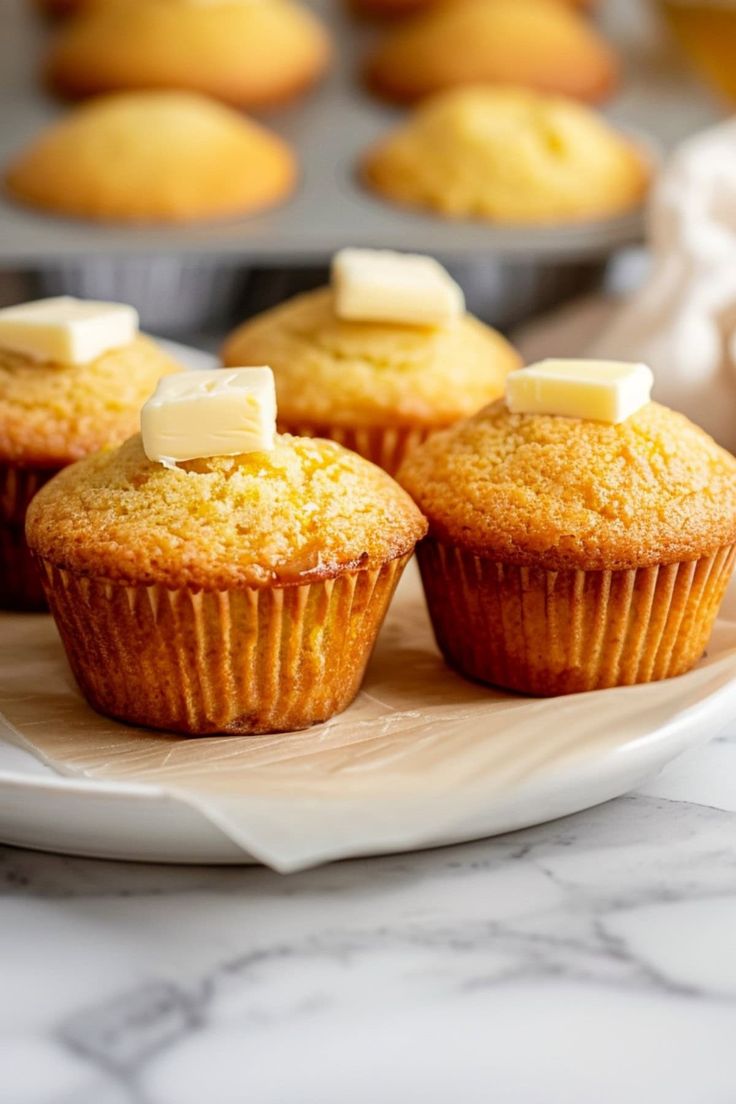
<point x="588" y="961"/>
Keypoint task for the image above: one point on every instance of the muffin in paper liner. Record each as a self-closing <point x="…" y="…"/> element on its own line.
<point x="50" y="416"/>
<point x="378" y="388"/>
<point x="572" y="554"/>
<point x="20" y="584"/>
<point x="561" y="632"/>
<point x="386" y="446"/>
<point x="232" y="593"/>
<point x="242" y="661"/>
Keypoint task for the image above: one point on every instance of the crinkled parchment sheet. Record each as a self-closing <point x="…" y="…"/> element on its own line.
<point x="421" y="757"/>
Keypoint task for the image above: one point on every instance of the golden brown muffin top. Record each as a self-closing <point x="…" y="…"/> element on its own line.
<point x="309" y="509"/>
<point x="560" y="493"/>
<point x="540" y="44"/>
<point x="330" y="370"/>
<point x="508" y="155"/>
<point x="153" y="157"/>
<point x="52" y="414"/>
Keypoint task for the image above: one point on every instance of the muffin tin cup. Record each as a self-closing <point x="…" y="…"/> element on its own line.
<point x="241" y="661"/>
<point x="562" y="632"/>
<point x="20" y="584"/>
<point x="172" y="295"/>
<point x="385" y="446"/>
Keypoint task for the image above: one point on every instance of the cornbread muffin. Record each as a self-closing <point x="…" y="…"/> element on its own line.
<point x="566" y="554"/>
<point x="246" y="53"/>
<point x="237" y="594"/>
<point x="540" y="44"/>
<point x="178" y="157"/>
<point x="378" y="388"/>
<point x="508" y="155"/>
<point x="50" y="416"/>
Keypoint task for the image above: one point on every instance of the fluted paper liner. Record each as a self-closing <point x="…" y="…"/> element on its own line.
<point x="562" y="632"/>
<point x="243" y="660"/>
<point x="421" y="757"/>
<point x="20" y="584"/>
<point x="385" y="446"/>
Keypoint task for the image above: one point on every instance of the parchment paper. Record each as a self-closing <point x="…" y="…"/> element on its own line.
<point x="418" y="758"/>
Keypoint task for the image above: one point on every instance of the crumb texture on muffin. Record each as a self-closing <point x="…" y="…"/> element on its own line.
<point x="305" y="511"/>
<point x="53" y="414"/>
<point x="559" y="493"/>
<point x="508" y="155"/>
<point x="540" y="44"/>
<point x="332" y="371"/>
<point x="247" y="54"/>
<point x="153" y="157"/>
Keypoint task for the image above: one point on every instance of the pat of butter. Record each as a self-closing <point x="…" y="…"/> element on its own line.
<point x="378" y="285"/>
<point x="211" y="412"/>
<point x="66" y="330"/>
<point x="600" y="390"/>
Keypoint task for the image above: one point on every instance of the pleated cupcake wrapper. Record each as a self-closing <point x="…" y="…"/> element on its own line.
<point x="560" y="632"/>
<point x="241" y="661"/>
<point x="20" y="585"/>
<point x="385" y="446"/>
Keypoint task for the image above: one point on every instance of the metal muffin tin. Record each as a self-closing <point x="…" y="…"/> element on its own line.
<point x="508" y="271"/>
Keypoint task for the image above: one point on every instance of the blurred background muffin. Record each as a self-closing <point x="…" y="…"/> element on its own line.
<point x="508" y="155"/>
<point x="153" y="157"/>
<point x="248" y="54"/>
<point x="539" y="43"/>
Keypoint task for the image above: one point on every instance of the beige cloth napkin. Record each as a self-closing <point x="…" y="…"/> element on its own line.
<point x="682" y="321"/>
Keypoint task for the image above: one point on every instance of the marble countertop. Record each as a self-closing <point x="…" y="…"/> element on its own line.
<point x="587" y="961"/>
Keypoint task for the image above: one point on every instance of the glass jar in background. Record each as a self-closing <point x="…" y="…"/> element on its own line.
<point x="706" y="31"/>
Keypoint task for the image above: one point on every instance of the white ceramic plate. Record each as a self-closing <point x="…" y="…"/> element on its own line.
<point x="446" y="763"/>
<point x="554" y="758"/>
